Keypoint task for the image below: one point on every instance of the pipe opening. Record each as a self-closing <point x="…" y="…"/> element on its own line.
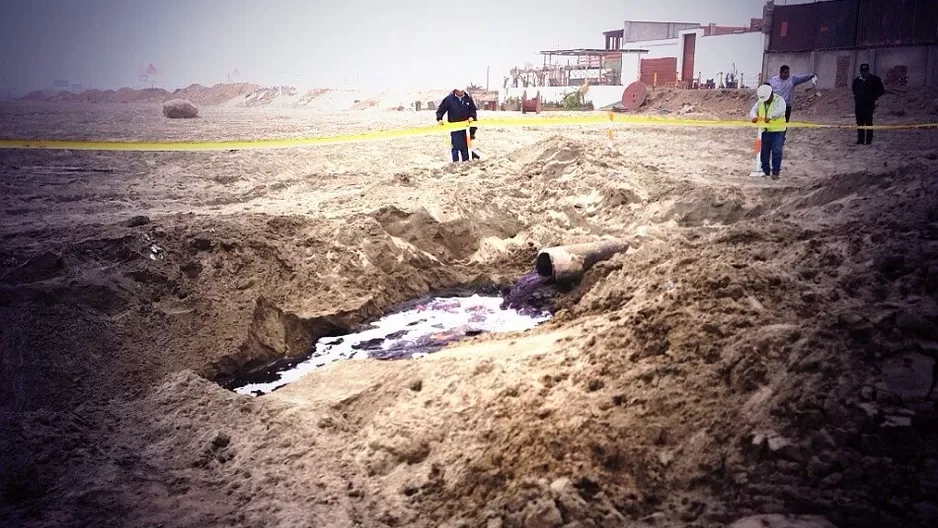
<point x="544" y="265"/>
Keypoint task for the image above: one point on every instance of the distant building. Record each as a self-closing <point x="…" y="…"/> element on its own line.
<point x="897" y="38"/>
<point x="688" y="55"/>
<point x="672" y="54"/>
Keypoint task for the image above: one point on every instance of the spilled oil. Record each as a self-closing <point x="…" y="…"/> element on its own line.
<point x="422" y="328"/>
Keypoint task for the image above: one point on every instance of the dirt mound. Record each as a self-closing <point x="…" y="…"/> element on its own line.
<point x="198" y="94"/>
<point x="311" y="95"/>
<point x="810" y="104"/>
<point x="215" y="95"/>
<point x="266" y="96"/>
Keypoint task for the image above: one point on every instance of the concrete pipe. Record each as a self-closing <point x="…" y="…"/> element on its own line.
<point x="568" y="263"/>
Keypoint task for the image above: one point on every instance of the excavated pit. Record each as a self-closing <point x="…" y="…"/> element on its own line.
<point x="428" y="326"/>
<point x="408" y="330"/>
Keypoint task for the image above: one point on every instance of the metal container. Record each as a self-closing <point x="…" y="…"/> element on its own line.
<point x="793" y="28"/>
<point x="836" y="26"/>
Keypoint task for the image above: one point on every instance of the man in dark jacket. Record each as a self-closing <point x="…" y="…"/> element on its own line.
<point x="867" y="88"/>
<point x="460" y="107"/>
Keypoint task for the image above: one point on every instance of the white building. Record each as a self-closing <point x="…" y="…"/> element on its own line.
<point x="696" y="57"/>
<point x="682" y="54"/>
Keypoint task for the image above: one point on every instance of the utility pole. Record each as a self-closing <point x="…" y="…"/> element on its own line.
<point x="487" y="78"/>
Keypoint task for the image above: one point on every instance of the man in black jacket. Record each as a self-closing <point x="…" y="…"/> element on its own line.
<point x="867" y="88"/>
<point x="460" y="107"/>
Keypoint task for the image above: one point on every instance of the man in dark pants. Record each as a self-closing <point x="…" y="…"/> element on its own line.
<point x="460" y="107"/>
<point x="867" y="88"/>
<point x="770" y="110"/>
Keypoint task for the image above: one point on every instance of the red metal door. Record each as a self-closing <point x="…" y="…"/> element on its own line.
<point x="690" y="45"/>
<point x="665" y="67"/>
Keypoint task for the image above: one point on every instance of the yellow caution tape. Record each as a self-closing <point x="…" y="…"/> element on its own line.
<point x="532" y="121"/>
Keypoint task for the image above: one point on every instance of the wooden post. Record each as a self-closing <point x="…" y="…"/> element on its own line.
<point x="609" y="130"/>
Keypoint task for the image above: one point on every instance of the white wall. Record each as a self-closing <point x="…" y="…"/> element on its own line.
<point x="600" y="96"/>
<point x="712" y="55"/>
<point x="717" y="54"/>
<point x="656" y="49"/>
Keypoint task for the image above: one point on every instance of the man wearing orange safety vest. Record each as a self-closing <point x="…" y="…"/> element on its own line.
<point x="770" y="109"/>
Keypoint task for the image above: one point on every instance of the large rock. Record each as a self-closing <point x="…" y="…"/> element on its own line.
<point x="180" y="109"/>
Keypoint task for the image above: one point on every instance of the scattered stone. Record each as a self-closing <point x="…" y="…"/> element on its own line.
<point x="734" y="292"/>
<point x="870" y="409"/>
<point x="180" y="109"/>
<point x="561" y="485"/>
<point x="192" y="269"/>
<point x="758" y="440"/>
<point x="655" y="519"/>
<point x="201" y="242"/>
<point x="221" y="440"/>
<point x="594" y="385"/>
<point x="868" y="393"/>
<point x="809" y="297"/>
<point x="137" y="221"/>
<point x="542" y="513"/>
<point x="416" y="385"/>
<point x="893" y="421"/>
<point x="784" y="448"/>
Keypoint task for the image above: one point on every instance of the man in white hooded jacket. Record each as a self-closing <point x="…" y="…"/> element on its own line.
<point x="770" y="109"/>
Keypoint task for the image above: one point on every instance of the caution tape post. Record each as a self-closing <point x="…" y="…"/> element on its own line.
<point x="757" y="151"/>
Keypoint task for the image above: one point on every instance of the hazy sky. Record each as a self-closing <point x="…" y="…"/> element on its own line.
<point x="308" y="43"/>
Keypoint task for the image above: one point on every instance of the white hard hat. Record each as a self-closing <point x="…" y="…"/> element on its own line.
<point x="764" y="92"/>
